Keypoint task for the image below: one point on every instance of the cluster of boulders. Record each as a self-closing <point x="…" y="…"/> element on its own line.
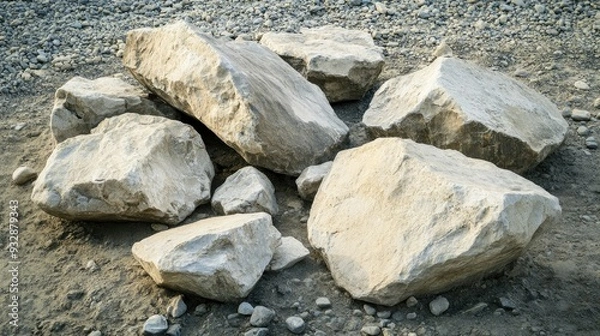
<point x="392" y="218"/>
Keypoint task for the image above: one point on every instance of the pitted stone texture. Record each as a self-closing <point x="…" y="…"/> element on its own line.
<point x="247" y="95"/>
<point x="394" y="218"/>
<point x="130" y="168"/>
<point x="343" y="63"/>
<point x="453" y="104"/>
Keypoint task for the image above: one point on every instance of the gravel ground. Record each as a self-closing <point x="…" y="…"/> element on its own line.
<point x="550" y="45"/>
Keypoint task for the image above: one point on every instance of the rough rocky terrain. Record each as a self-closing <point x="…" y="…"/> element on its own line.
<point x="75" y="278"/>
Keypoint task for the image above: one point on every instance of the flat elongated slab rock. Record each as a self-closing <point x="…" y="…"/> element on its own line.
<point x="288" y="253"/>
<point x="219" y="258"/>
<point x="343" y="63"/>
<point x="394" y="218"/>
<point x="454" y="104"/>
<point x="247" y="190"/>
<point x="81" y="104"/>
<point x="131" y="167"/>
<point x="248" y="96"/>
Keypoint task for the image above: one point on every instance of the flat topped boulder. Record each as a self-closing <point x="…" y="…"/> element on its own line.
<point x="219" y="258"/>
<point x="394" y="219"/>
<point x="246" y="94"/>
<point x="343" y="63"/>
<point x="130" y="168"/>
<point x="453" y="104"/>
<point x="81" y="104"/>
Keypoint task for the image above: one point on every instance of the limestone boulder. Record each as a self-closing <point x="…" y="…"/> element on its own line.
<point x="219" y="258"/>
<point x="130" y="168"/>
<point x="81" y="104"/>
<point x="344" y="63"/>
<point x="246" y="94"/>
<point x="310" y="179"/>
<point x="394" y="218"/>
<point x="453" y="104"/>
<point x="247" y="190"/>
<point x="287" y="254"/>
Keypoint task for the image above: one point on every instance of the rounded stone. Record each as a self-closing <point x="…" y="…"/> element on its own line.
<point x="245" y="309"/>
<point x="23" y="175"/>
<point x="439" y="305"/>
<point x="295" y="324"/>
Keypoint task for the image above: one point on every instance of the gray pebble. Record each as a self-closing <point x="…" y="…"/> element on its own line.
<point x="581" y="85"/>
<point x="245" y="309"/>
<point x="323" y="303"/>
<point x="597" y="103"/>
<point x="201" y="309"/>
<point x="411" y="301"/>
<point x="257" y="332"/>
<point x="591" y="143"/>
<point x="295" y="324"/>
<point x="580" y="115"/>
<point x="95" y="333"/>
<point x="23" y="175"/>
<point x="155" y="325"/>
<point x="371" y="330"/>
<point x="411" y="316"/>
<point x="176" y="307"/>
<point x="583" y="131"/>
<point x="398" y="316"/>
<point x="174" y="330"/>
<point x="261" y="316"/>
<point x="439" y="305"/>
<point x="369" y="310"/>
<point x="384" y="314"/>
<point x="507" y="303"/>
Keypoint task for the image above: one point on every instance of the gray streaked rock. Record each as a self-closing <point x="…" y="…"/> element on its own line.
<point x="130" y="168"/>
<point x="247" y="190"/>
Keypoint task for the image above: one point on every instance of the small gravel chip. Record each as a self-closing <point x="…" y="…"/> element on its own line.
<point x="23" y="175"/>
<point x="597" y="103"/>
<point x="591" y="143"/>
<point x="411" y="316"/>
<point x="159" y="227"/>
<point x="95" y="333"/>
<point x="176" y="307"/>
<point x="398" y="316"/>
<point x="257" y="332"/>
<point x="476" y="309"/>
<point x="439" y="305"/>
<point x="245" y="309"/>
<point x="201" y="309"/>
<point x="75" y="294"/>
<point x="507" y="303"/>
<point x="371" y="330"/>
<point x="323" y="303"/>
<point x="261" y="316"/>
<point x="411" y="301"/>
<point x="583" y="131"/>
<point x="384" y="314"/>
<point x="91" y="266"/>
<point x="580" y="115"/>
<point x="174" y="330"/>
<point x="155" y="325"/>
<point x="295" y="324"/>
<point x="369" y="310"/>
<point x="581" y="85"/>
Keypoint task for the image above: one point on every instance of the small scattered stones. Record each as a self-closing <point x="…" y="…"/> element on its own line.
<point x="245" y="309"/>
<point x="581" y="85"/>
<point x="155" y="325"/>
<point x="261" y="316"/>
<point x="581" y="115"/>
<point x="591" y="143"/>
<point x="176" y="307"/>
<point x="295" y="324"/>
<point x="23" y="175"/>
<point x="371" y="330"/>
<point x="439" y="305"/>
<point x="411" y="316"/>
<point x="323" y="303"/>
<point x="411" y="301"/>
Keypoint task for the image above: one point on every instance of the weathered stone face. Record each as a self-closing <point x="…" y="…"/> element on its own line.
<point x="453" y="104"/>
<point x="250" y="98"/>
<point x="219" y="258"/>
<point x="343" y="63"/>
<point x="394" y="218"/>
<point x="309" y="181"/>
<point x="247" y="190"/>
<point x="81" y="104"/>
<point x="130" y="168"/>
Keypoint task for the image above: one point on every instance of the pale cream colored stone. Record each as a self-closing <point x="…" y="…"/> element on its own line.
<point x="394" y="218"/>
<point x="287" y="254"/>
<point x="247" y="95"/>
<point x="219" y="258"/>
<point x="130" y="168"/>
<point x="453" y="104"/>
<point x="247" y="190"/>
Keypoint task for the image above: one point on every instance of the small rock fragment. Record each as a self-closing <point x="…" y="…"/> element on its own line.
<point x="95" y="333"/>
<point x="581" y="85"/>
<point x="201" y="309"/>
<point x="295" y="324"/>
<point x="257" y="332"/>
<point x="245" y="309"/>
<point x="159" y="227"/>
<point x="23" y="175"/>
<point x="287" y="254"/>
<point x="476" y="309"/>
<point x="581" y="115"/>
<point x="591" y="143"/>
<point x="583" y="131"/>
<point x="155" y="325"/>
<point x="369" y="310"/>
<point x="261" y="316"/>
<point x="371" y="330"/>
<point x="439" y="305"/>
<point x="442" y="50"/>
<point x="323" y="303"/>
<point x="597" y="103"/>
<point x="174" y="330"/>
<point x="507" y="303"/>
<point x="177" y="307"/>
<point x="91" y="266"/>
<point x="411" y="301"/>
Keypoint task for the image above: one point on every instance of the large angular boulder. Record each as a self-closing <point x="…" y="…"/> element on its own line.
<point x="248" y="96"/>
<point x="394" y="218"/>
<point x="219" y="258"/>
<point x="131" y="167"/>
<point x="81" y="104"/>
<point x="454" y="104"/>
<point x="246" y="190"/>
<point x="343" y="63"/>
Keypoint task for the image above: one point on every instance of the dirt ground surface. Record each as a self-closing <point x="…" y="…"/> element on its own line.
<point x="554" y="286"/>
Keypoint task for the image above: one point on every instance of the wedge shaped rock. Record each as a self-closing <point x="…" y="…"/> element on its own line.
<point x="288" y="253"/>
<point x="394" y="218"/>
<point x="343" y="63"/>
<point x="453" y="104"/>
<point x="247" y="190"/>
<point x="130" y="168"/>
<point x="248" y="96"/>
<point x="219" y="258"/>
<point x="309" y="181"/>
<point x="81" y="104"/>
